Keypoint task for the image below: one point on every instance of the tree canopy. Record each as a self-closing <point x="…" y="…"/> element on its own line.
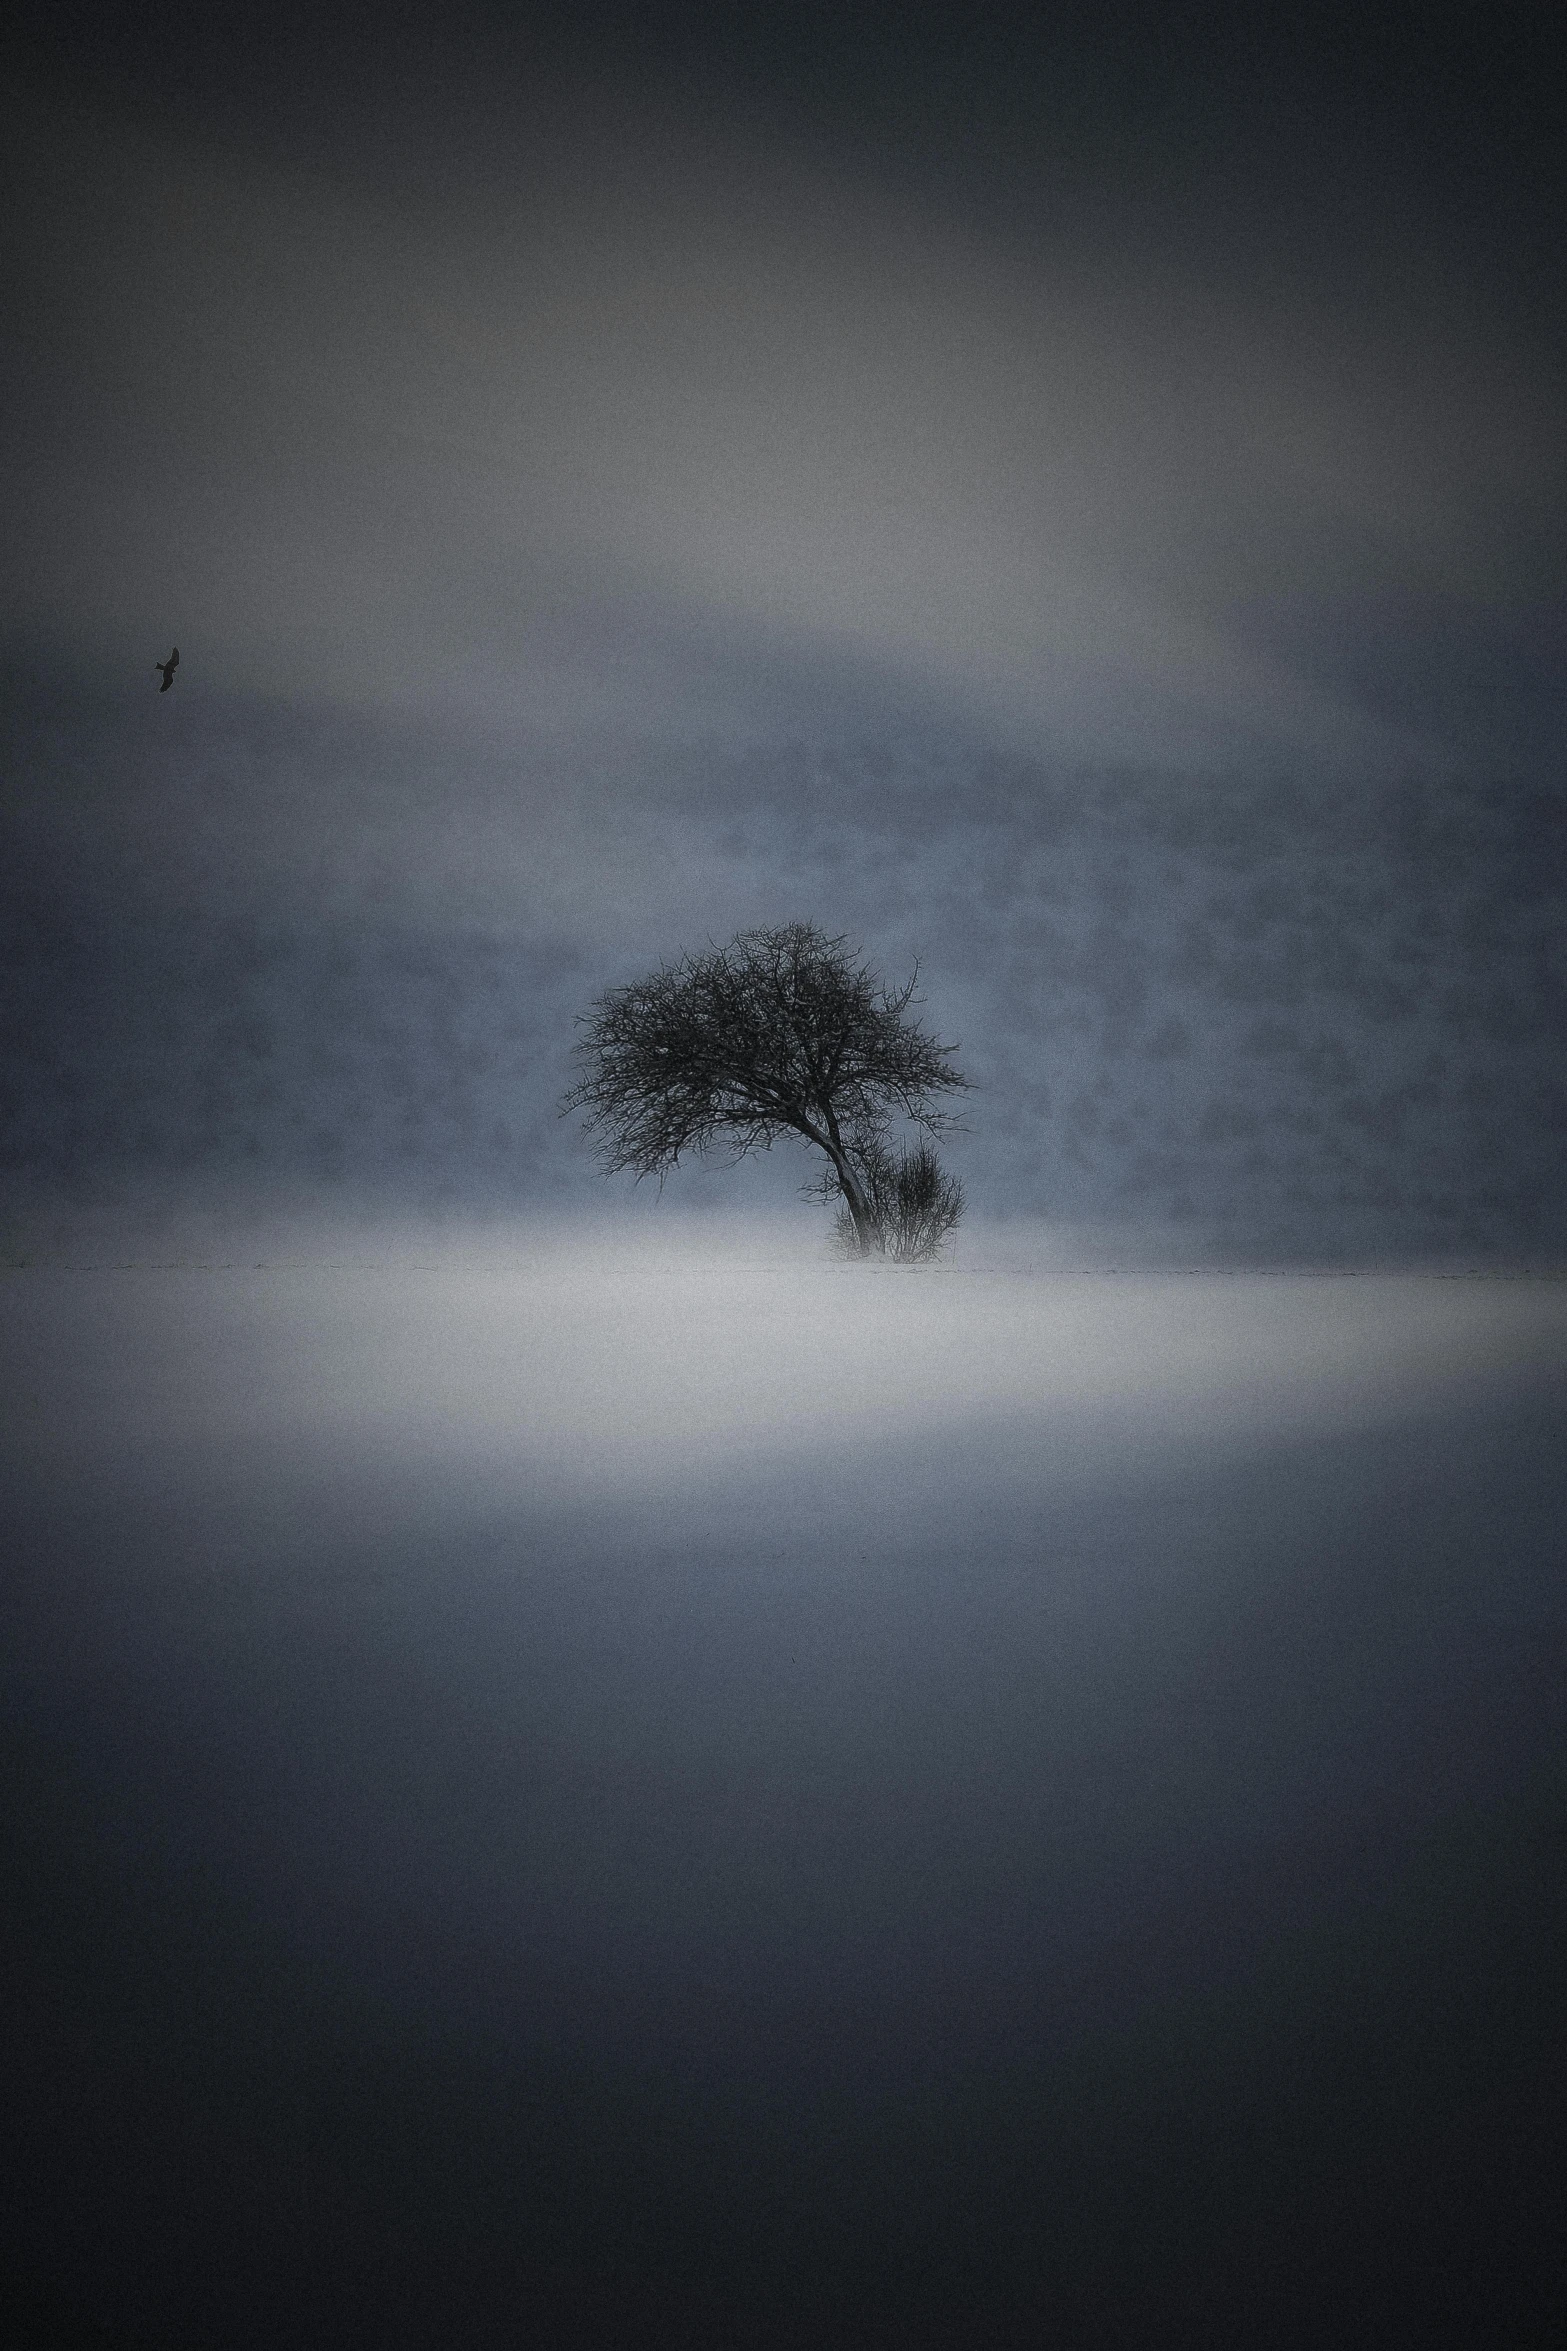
<point x="781" y="1032"/>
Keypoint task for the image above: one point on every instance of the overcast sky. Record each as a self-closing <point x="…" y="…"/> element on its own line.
<point x="1083" y="507"/>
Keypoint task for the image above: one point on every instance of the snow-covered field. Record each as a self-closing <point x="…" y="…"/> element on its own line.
<point x="584" y="1366"/>
<point x="830" y="1760"/>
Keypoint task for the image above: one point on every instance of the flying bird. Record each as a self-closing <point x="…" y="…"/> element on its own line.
<point x="168" y="668"/>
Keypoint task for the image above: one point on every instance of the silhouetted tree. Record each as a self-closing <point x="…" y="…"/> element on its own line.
<point x="781" y="1032"/>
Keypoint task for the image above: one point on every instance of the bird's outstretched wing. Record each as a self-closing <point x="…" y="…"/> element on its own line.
<point x="167" y="668"/>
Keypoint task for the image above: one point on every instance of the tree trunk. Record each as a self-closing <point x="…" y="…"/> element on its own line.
<point x="859" y="1208"/>
<point x="827" y="1138"/>
<point x="855" y="1199"/>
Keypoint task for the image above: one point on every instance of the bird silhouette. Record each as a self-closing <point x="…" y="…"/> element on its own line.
<point x="168" y="668"/>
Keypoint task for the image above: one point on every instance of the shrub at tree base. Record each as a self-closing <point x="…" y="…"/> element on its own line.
<point x="915" y="1206"/>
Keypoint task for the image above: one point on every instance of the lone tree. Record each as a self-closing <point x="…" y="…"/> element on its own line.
<point x="781" y="1032"/>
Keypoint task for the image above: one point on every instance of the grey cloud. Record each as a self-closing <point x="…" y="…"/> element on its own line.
<point x="609" y="429"/>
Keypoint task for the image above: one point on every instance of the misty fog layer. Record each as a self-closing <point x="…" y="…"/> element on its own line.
<point x="565" y="1369"/>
